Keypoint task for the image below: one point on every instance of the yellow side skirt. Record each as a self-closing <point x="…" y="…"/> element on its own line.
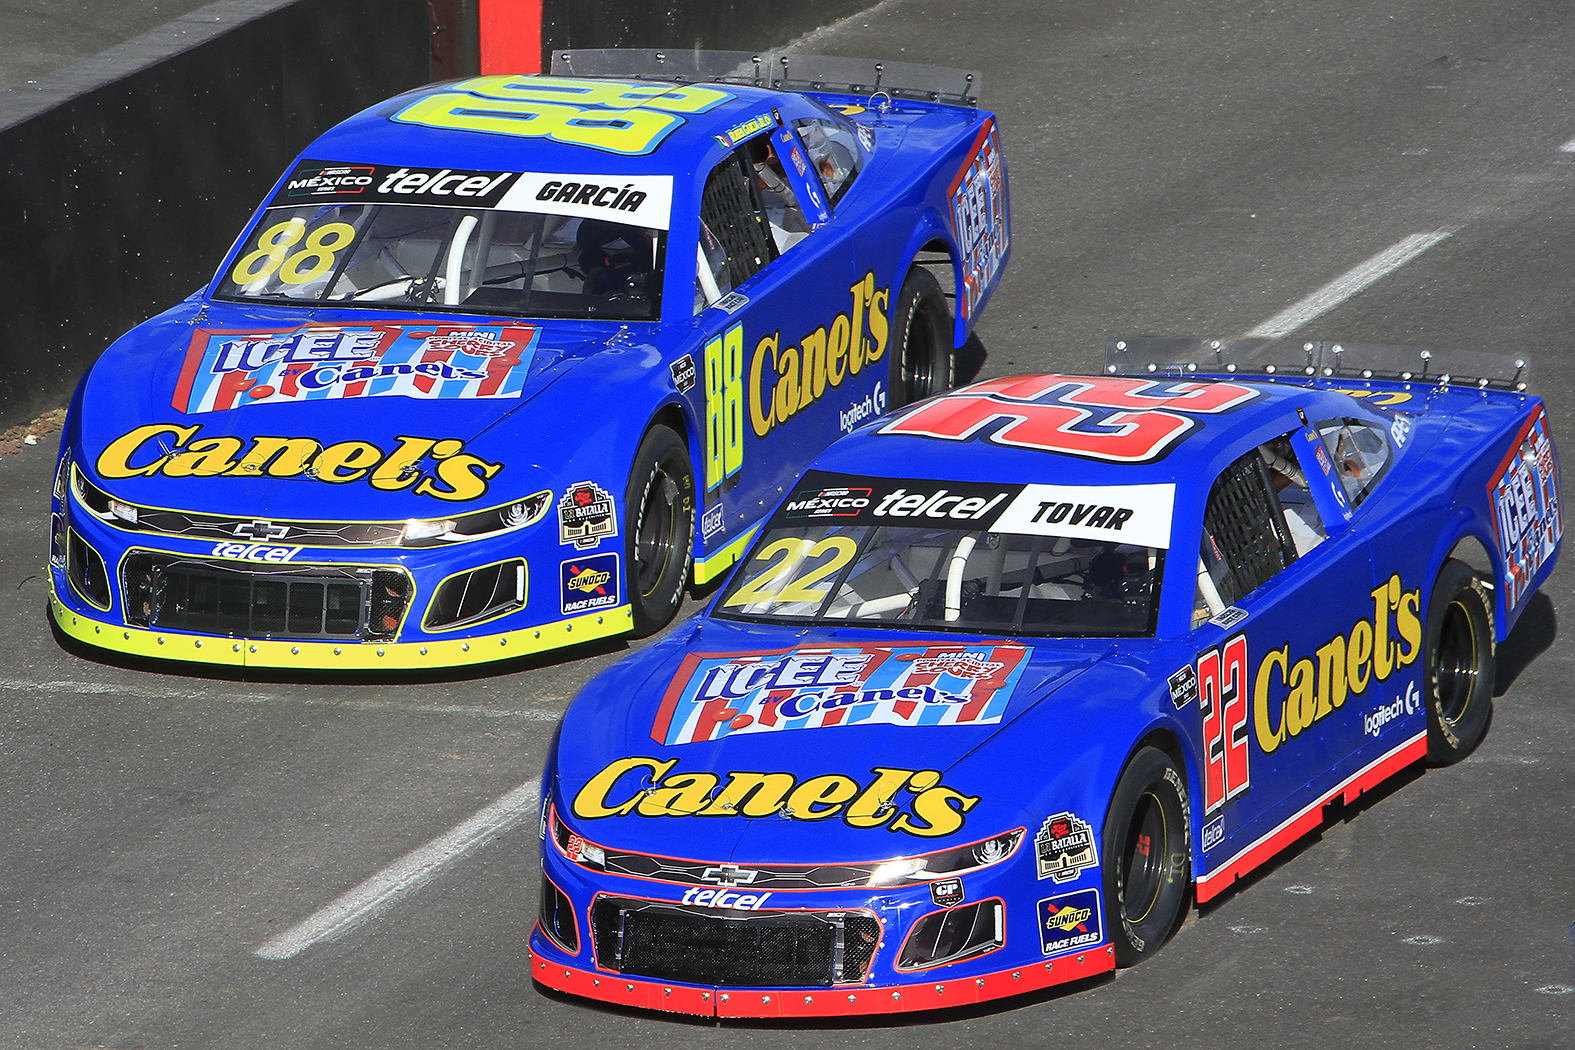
<point x="712" y="566"/>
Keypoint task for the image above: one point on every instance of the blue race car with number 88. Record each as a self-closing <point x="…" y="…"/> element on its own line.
<point x="501" y="364"/>
<point x="1011" y="677"/>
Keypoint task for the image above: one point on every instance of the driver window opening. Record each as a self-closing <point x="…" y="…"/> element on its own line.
<point x="735" y="242"/>
<point x="1360" y="451"/>
<point x="783" y="211"/>
<point x="1246" y="540"/>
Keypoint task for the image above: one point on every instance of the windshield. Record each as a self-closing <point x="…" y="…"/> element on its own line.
<point x="525" y="245"/>
<point x="976" y="559"/>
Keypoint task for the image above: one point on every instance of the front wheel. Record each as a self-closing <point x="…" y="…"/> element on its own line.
<point x="1460" y="664"/>
<point x="1147" y="857"/>
<point x="921" y="357"/>
<point x="658" y="529"/>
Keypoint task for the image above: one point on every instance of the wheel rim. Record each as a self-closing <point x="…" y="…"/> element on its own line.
<point x="1143" y="859"/>
<point x="1456" y="666"/>
<point x="654" y="538"/>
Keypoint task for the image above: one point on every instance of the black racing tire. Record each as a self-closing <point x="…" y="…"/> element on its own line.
<point x="921" y="347"/>
<point x="1459" y="666"/>
<point x="1147" y="857"/>
<point x="659" y="521"/>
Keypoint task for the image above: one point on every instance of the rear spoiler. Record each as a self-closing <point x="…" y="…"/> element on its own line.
<point x="777" y="69"/>
<point x="1323" y="360"/>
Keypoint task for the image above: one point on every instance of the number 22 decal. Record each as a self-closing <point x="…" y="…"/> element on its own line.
<point x="1141" y="420"/>
<point x="785" y="556"/>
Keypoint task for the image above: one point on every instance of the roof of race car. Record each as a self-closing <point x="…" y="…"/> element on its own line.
<point x="551" y="123"/>
<point x="1093" y="430"/>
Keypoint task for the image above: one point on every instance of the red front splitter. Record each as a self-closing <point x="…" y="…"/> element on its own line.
<point x="936" y="993"/>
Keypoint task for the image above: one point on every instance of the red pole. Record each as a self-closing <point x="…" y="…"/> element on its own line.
<point x="510" y="36"/>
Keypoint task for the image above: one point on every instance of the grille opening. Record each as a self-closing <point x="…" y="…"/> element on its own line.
<point x="772" y="949"/>
<point x="477" y="595"/>
<point x="297" y="601"/>
<point x="950" y="936"/>
<point x="557" y="918"/>
<point x="85" y="570"/>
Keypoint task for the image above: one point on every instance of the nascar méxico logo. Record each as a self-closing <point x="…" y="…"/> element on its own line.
<point x="717" y="695"/>
<point x="229" y="368"/>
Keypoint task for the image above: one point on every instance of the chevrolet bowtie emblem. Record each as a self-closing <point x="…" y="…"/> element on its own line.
<point x="262" y="529"/>
<point x="729" y="875"/>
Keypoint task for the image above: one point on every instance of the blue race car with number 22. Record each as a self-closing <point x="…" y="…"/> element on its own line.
<point x="1010" y="677"/>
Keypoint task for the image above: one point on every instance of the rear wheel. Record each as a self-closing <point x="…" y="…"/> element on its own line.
<point x="1460" y="664"/>
<point x="1147" y="857"/>
<point x="658" y="529"/>
<point x="921" y="357"/>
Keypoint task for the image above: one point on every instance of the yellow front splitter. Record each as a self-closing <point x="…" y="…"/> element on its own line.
<point x="339" y="656"/>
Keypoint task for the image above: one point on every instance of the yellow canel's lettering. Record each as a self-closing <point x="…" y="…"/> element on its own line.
<point x="278" y="457"/>
<point x="874" y="807"/>
<point x="751" y="795"/>
<point x="115" y="460"/>
<point x="1357" y="655"/>
<point x="880" y="328"/>
<point x="1267" y="722"/>
<point x="1331" y="676"/>
<point x="594" y="799"/>
<point x="1408" y="621"/>
<point x="678" y="796"/>
<point x="762" y="414"/>
<point x="939" y="811"/>
<point x="821" y="797"/>
<point x="657" y="791"/>
<point x="1302" y="703"/>
<point x="204" y="458"/>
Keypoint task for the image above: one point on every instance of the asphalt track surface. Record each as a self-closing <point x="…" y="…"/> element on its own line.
<point x="1177" y="168"/>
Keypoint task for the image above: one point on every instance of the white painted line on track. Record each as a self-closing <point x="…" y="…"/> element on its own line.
<point x="409" y="872"/>
<point x="395" y="706"/>
<point x="1347" y="284"/>
<point x="1568" y="147"/>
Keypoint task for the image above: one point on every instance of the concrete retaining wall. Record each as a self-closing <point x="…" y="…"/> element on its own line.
<point x="123" y="179"/>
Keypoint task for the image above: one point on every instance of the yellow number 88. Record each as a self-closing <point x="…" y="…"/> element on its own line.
<point x="274" y="244"/>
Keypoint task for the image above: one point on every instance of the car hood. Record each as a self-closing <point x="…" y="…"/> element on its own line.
<point x="397" y="384"/>
<point x="684" y="719"/>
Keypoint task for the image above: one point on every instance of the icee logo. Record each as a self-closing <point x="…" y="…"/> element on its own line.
<point x="1373" y="724"/>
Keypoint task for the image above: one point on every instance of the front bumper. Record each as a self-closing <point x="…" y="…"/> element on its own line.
<point x="926" y="991"/>
<point x="304" y="654"/>
<point x="727" y="939"/>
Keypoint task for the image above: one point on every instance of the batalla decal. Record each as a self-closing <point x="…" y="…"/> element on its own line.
<point x="1526" y="512"/>
<point x="226" y="368"/>
<point x="713" y="696"/>
<point x="913" y="801"/>
<point x="978" y="197"/>
<point x="1112" y="419"/>
<point x="434" y="467"/>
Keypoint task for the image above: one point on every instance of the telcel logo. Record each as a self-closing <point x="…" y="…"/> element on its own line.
<point x="254" y="552"/>
<point x="724" y="899"/>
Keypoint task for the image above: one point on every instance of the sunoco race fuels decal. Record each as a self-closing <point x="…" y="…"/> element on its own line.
<point x="230" y="368"/>
<point x="1069" y="921"/>
<point x="713" y="696"/>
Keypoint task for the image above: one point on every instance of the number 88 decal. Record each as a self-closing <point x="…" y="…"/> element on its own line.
<point x="272" y="253"/>
<point x="1055" y="413"/>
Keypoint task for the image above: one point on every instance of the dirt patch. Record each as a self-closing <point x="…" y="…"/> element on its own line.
<point x="12" y="440"/>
